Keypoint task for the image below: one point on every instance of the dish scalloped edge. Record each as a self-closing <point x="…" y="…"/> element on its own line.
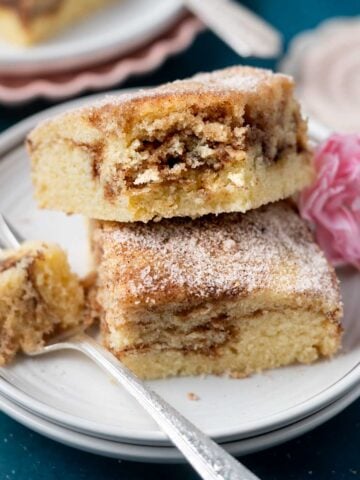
<point x="151" y="57"/>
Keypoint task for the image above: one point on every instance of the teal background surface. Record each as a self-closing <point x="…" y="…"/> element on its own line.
<point x="332" y="451"/>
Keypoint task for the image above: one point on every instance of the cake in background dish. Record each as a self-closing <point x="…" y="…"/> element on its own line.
<point x="230" y="140"/>
<point x="39" y="296"/>
<point x="229" y="294"/>
<point x="25" y="22"/>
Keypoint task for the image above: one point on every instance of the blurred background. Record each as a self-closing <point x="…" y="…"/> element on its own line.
<point x="202" y="52"/>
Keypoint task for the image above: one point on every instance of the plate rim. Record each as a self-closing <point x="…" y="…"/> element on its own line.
<point x="158" y="438"/>
<point x="62" y="59"/>
<point x="13" y="138"/>
<point x="153" y="454"/>
<point x="153" y="55"/>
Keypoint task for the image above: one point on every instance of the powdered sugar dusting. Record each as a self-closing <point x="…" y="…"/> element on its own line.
<point x="213" y="257"/>
<point x="241" y="79"/>
<point x="237" y="78"/>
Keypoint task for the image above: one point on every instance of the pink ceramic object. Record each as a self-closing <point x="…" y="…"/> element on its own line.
<point x="325" y="63"/>
<point x="58" y="86"/>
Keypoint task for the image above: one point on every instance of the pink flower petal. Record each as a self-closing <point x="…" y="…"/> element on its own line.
<point x="332" y="203"/>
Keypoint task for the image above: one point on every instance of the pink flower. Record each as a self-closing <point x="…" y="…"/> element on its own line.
<point x="332" y="203"/>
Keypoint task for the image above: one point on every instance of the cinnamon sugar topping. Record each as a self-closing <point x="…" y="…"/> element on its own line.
<point x="228" y="255"/>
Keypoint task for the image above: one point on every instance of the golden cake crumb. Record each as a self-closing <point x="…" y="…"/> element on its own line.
<point x="192" y="396"/>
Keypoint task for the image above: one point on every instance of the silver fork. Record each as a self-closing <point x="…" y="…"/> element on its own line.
<point x="210" y="460"/>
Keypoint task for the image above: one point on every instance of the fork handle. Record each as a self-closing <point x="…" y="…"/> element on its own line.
<point x="210" y="460"/>
<point x="243" y="30"/>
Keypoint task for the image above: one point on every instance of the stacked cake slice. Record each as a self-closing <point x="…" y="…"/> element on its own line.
<point x="228" y="141"/>
<point x="211" y="292"/>
<point x="229" y="293"/>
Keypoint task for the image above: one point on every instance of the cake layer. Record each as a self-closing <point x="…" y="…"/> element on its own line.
<point x="39" y="296"/>
<point x="191" y="289"/>
<point x="227" y="141"/>
<point x="26" y="22"/>
<point x="257" y="342"/>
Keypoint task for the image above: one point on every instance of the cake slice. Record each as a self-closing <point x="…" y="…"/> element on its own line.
<point x="25" y="22"/>
<point x="231" y="140"/>
<point x="234" y="293"/>
<point x="39" y="296"/>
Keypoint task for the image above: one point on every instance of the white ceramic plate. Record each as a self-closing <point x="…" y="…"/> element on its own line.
<point x="169" y="454"/>
<point x="67" y="389"/>
<point x="116" y="29"/>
